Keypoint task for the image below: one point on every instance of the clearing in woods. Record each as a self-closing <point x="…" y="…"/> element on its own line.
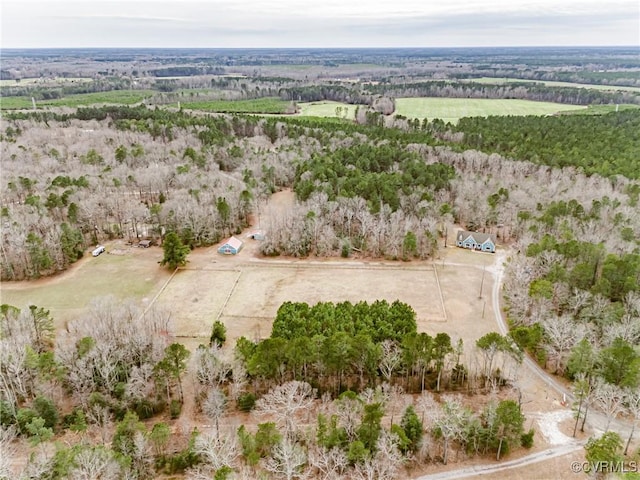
<point x="453" y="109"/>
<point x="245" y="291"/>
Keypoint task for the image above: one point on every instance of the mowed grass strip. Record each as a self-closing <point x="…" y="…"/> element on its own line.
<point x="453" y="109"/>
<point x="258" y="105"/>
<point x="126" y="97"/>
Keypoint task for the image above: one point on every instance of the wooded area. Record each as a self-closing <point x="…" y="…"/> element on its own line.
<point x="330" y="388"/>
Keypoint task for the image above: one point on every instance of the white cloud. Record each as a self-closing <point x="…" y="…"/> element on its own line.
<point x="331" y="23"/>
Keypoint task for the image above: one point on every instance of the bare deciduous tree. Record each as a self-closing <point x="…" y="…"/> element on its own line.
<point x="217" y="450"/>
<point x="285" y="402"/>
<point x="214" y="406"/>
<point x="330" y="464"/>
<point x="391" y="357"/>
<point x="287" y="460"/>
<point x="92" y="463"/>
<point x="610" y="399"/>
<point x="386" y="462"/>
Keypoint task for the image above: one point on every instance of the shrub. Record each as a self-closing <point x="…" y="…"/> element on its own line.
<point x="24" y="418"/>
<point x="218" y="334"/>
<point x="175" y="408"/>
<point x="246" y="402"/>
<point x="526" y="440"/>
<point x="47" y="410"/>
<point x="75" y="421"/>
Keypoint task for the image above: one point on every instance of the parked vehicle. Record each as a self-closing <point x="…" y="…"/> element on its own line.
<point x="98" y="250"/>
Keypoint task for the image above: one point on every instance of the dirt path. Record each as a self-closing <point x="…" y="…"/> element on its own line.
<point x="491" y="470"/>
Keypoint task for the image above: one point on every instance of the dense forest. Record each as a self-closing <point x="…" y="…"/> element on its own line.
<point x="559" y="141"/>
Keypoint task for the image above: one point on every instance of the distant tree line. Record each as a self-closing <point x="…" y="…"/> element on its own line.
<point x="603" y="144"/>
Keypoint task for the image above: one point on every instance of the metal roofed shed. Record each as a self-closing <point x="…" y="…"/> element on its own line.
<point x="231" y="246"/>
<point x="257" y="235"/>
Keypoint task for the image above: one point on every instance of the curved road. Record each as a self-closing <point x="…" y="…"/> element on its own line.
<point x="595" y="419"/>
<point x="479" y="470"/>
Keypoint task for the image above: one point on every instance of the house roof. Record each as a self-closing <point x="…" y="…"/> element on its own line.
<point x="479" y="238"/>
<point x="233" y="242"/>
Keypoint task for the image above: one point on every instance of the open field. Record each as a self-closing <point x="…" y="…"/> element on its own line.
<point x="259" y="105"/>
<point x="126" y="97"/>
<point x="246" y="298"/>
<point x="601" y="109"/>
<point x="44" y="81"/>
<point x="244" y="292"/>
<point x="452" y="109"/>
<point x="327" y="109"/>
<point x="124" y="272"/>
<point x="502" y="81"/>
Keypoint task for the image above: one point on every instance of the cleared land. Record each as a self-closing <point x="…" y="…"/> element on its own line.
<point x="246" y="298"/>
<point x="245" y="292"/>
<point x="126" y="97"/>
<point x="45" y="81"/>
<point x="592" y="86"/>
<point x="123" y="272"/>
<point x="328" y="109"/>
<point x="452" y="109"/>
<point x="259" y="105"/>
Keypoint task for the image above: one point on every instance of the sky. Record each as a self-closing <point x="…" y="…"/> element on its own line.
<point x="328" y="23"/>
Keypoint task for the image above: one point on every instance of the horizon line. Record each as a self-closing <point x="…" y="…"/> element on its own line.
<point x="312" y="47"/>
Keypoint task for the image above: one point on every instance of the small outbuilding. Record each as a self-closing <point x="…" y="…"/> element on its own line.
<point x="231" y="246"/>
<point x="144" y="243"/>
<point x="476" y="241"/>
<point x="257" y="235"/>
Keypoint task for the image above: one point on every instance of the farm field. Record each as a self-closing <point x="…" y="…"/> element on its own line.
<point x="244" y="292"/>
<point x="45" y="81"/>
<point x="502" y="81"/>
<point x="327" y="109"/>
<point x="260" y="105"/>
<point x="123" y="272"/>
<point x="246" y="298"/>
<point x="126" y="97"/>
<point x="452" y="109"/>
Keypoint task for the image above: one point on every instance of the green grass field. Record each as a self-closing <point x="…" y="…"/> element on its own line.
<point x="327" y="109"/>
<point x="126" y="97"/>
<point x="601" y="109"/>
<point x="502" y="81"/>
<point x="452" y="109"/>
<point x="132" y="275"/>
<point x="259" y="105"/>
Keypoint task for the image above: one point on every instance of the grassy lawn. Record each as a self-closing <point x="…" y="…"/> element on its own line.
<point x="327" y="109"/>
<point x="452" y="109"/>
<point x="259" y="105"/>
<point x="126" y="97"/>
<point x="135" y="274"/>
<point x="502" y="81"/>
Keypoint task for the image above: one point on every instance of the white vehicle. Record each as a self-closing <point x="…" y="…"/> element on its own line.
<point x="99" y="249"/>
